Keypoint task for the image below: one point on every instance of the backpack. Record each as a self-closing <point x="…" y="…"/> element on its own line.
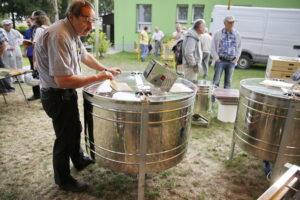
<point x="177" y="49"/>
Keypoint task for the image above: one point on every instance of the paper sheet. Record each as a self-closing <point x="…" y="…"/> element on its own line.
<point x="104" y="87"/>
<point x="120" y="87"/>
<point x="279" y="84"/>
<point x="180" y="88"/>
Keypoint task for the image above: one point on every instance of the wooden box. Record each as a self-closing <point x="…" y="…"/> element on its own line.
<point x="282" y="67"/>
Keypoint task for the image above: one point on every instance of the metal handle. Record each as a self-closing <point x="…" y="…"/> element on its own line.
<point x="292" y="92"/>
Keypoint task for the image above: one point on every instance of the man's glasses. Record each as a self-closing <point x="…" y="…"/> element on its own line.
<point x="89" y="19"/>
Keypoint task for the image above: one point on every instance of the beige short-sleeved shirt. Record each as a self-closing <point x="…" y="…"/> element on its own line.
<point x="58" y="52"/>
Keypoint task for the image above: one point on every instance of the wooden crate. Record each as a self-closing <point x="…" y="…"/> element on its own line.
<point x="282" y="67"/>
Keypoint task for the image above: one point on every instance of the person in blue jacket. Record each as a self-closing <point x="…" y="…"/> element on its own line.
<point x="29" y="54"/>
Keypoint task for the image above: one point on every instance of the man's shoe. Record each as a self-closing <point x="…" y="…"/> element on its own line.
<point x="33" y="98"/>
<point x="86" y="161"/>
<point x="73" y="185"/>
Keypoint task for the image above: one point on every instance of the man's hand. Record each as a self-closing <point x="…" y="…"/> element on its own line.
<point x="235" y="61"/>
<point x="115" y="71"/>
<point x="104" y="75"/>
<point x="218" y="60"/>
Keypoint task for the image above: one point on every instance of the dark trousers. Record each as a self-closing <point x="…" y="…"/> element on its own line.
<point x="6" y="85"/>
<point x="35" y="89"/>
<point x="61" y="106"/>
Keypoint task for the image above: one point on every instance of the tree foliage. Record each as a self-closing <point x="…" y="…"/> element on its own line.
<point x="106" y="7"/>
<point x="22" y="8"/>
<point x="19" y="9"/>
<point x="104" y="43"/>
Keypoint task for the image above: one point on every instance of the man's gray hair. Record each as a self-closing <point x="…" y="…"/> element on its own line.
<point x="198" y="23"/>
<point x="75" y="7"/>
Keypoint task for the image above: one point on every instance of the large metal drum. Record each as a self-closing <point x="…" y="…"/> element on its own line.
<point x="262" y="122"/>
<point x="113" y="124"/>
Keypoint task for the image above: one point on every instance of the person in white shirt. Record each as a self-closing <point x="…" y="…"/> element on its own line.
<point x="41" y="22"/>
<point x="12" y="57"/>
<point x="157" y="37"/>
<point x="178" y="34"/>
<point x="205" y="40"/>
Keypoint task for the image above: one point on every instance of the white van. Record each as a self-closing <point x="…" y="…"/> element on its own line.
<point x="264" y="31"/>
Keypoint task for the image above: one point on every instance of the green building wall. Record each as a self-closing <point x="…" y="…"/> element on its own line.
<point x="164" y="15"/>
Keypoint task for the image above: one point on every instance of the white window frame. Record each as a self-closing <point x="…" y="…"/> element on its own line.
<point x="193" y="11"/>
<point x="143" y="24"/>
<point x="177" y="13"/>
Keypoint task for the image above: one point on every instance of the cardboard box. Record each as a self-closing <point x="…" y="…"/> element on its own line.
<point x="282" y="67"/>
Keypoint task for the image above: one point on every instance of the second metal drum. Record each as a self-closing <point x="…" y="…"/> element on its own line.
<point x="261" y="122"/>
<point x="203" y="102"/>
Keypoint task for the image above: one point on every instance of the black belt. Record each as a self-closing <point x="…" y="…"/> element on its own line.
<point x="226" y="59"/>
<point x="57" y="89"/>
<point x="64" y="93"/>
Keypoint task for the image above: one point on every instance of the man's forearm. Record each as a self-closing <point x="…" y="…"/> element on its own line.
<point x="91" y="62"/>
<point x="74" y="81"/>
<point x="3" y="47"/>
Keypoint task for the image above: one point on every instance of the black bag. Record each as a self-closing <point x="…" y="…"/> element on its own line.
<point x="150" y="48"/>
<point x="35" y="74"/>
<point x="177" y="49"/>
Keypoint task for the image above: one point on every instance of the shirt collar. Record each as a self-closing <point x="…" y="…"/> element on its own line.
<point x="224" y="31"/>
<point x="71" y="28"/>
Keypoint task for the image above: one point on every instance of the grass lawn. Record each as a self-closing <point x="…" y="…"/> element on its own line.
<point x="26" y="141"/>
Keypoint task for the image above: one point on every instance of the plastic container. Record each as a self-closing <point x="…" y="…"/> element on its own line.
<point x="227" y="113"/>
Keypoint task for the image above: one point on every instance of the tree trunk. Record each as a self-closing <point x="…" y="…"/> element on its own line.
<point x="13" y="20"/>
<point x="54" y="14"/>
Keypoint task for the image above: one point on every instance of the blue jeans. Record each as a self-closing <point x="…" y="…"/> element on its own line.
<point x="157" y="48"/>
<point x="144" y="51"/>
<point x="228" y="68"/>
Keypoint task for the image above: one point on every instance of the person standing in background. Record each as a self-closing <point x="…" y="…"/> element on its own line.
<point x="192" y="51"/>
<point x="41" y="22"/>
<point x="29" y="49"/>
<point x="178" y="34"/>
<point x="205" y="40"/>
<point x="144" y="42"/>
<point x="29" y="54"/>
<point x="157" y="37"/>
<point x="12" y="57"/>
<point x="6" y="85"/>
<point x="226" y="50"/>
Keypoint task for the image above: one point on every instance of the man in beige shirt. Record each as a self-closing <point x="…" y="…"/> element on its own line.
<point x="59" y="52"/>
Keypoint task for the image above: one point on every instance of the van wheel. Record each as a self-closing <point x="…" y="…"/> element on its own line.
<point x="244" y="62"/>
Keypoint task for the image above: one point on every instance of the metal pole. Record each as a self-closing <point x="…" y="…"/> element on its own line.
<point x="231" y="154"/>
<point x="21" y="89"/>
<point x="3" y="86"/>
<point x="123" y="49"/>
<point x="97" y="29"/>
<point x="143" y="146"/>
<point x="281" y="158"/>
